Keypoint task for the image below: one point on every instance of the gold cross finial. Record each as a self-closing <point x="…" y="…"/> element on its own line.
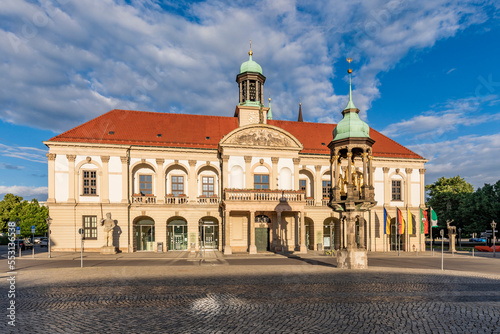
<point x="250" y="52"/>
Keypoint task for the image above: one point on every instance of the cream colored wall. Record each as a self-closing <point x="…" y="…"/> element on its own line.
<point x="68" y="217"/>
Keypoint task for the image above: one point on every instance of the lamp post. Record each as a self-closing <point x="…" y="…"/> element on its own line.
<point x="442" y="249"/>
<point x="49" y="220"/>
<point x="460" y="238"/>
<point x="493" y="225"/>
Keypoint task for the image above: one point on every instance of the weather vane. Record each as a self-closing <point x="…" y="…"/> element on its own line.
<point x="250" y="52"/>
<point x="349" y="60"/>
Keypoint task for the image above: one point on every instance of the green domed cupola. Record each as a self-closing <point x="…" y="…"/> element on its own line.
<point x="251" y="83"/>
<point x="250" y="65"/>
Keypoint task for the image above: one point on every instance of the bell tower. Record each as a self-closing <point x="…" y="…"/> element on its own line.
<point x="352" y="193"/>
<point x="250" y="108"/>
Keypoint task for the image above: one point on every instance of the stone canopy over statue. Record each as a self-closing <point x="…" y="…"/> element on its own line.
<point x="109" y="226"/>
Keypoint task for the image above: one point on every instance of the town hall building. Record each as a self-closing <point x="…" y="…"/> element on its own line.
<point x="248" y="183"/>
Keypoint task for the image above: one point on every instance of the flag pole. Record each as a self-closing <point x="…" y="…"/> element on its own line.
<point x="399" y="234"/>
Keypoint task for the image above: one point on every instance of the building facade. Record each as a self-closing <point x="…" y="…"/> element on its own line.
<point x="246" y="183"/>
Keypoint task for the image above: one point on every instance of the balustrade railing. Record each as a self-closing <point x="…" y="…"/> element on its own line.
<point x="146" y="199"/>
<point x="263" y="195"/>
<point x="208" y="200"/>
<point x="175" y="199"/>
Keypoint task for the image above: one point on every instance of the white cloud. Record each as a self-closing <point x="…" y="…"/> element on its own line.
<point x="25" y="153"/>
<point x="444" y="118"/>
<point x="39" y="192"/>
<point x="65" y="62"/>
<point x="474" y="158"/>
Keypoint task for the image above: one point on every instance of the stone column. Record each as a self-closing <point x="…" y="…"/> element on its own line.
<point x="387" y="186"/>
<point x="227" y="234"/>
<point x="105" y="179"/>
<point x="71" y="178"/>
<point x="335" y="177"/>
<point x="276" y="228"/>
<point x="248" y="173"/>
<point x="362" y="242"/>
<point x="371" y="170"/>
<point x="52" y="177"/>
<point x="160" y="182"/>
<point x="365" y="186"/>
<point x="124" y="161"/>
<point x="296" y="162"/>
<point x="273" y="182"/>
<point x="318" y="189"/>
<point x="192" y="182"/>
<point x="302" y="218"/>
<point x="350" y="186"/>
<point x="252" y="249"/>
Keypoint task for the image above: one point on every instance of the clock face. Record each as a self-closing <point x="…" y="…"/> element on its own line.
<point x="253" y="117"/>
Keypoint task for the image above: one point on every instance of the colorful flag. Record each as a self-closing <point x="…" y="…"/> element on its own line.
<point x="410" y="221"/>
<point x="424" y="225"/>
<point x="387" y="222"/>
<point x="434" y="218"/>
<point x="401" y="222"/>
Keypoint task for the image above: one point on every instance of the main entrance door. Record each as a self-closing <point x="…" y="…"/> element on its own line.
<point x="145" y="235"/>
<point x="177" y="235"/>
<point x="209" y="235"/>
<point x="262" y="239"/>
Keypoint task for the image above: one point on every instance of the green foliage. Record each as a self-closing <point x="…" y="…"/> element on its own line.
<point x="13" y="208"/>
<point x="454" y="198"/>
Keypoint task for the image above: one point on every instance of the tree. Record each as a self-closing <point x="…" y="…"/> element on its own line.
<point x="13" y="208"/>
<point x="481" y="207"/>
<point x="447" y="196"/>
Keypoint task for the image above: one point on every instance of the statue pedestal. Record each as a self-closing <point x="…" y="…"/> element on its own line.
<point x="252" y="249"/>
<point x="451" y="243"/>
<point x="108" y="250"/>
<point x="352" y="259"/>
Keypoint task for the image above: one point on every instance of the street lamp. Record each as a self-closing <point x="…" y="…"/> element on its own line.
<point x="460" y="238"/>
<point x="49" y="220"/>
<point x="493" y="225"/>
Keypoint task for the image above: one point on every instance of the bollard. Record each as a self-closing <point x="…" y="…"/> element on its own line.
<point x="472" y="252"/>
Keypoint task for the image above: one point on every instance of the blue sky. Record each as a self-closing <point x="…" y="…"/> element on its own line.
<point x="426" y="73"/>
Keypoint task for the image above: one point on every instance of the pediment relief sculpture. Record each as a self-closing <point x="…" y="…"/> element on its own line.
<point x="261" y="137"/>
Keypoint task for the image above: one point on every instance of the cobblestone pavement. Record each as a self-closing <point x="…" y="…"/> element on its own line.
<point x="253" y="299"/>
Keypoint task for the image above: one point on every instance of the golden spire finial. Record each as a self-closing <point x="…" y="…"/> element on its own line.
<point x="349" y="61"/>
<point x="250" y="52"/>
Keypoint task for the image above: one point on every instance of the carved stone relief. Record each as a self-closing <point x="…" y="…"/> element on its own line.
<point x="261" y="137"/>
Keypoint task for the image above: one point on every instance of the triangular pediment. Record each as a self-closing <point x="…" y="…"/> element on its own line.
<point x="261" y="136"/>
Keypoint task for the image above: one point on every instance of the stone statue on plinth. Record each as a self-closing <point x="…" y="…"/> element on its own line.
<point x="109" y="226"/>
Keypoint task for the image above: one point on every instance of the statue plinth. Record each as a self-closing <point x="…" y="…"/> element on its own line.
<point x="451" y="243"/>
<point x="108" y="250"/>
<point x="354" y="258"/>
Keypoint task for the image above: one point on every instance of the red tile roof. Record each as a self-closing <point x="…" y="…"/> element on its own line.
<point x="141" y="128"/>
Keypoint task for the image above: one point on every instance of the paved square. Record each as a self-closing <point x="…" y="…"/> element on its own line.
<point x="223" y="297"/>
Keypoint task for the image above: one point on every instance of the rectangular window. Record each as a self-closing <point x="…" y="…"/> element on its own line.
<point x="146" y="184"/>
<point x="396" y="190"/>
<point x="261" y="181"/>
<point x="208" y="186"/>
<point x="177" y="185"/>
<point x="327" y="188"/>
<point x="90" y="227"/>
<point x="302" y="185"/>
<point x="89" y="182"/>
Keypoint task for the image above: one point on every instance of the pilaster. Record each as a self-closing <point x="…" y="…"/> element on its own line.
<point x="248" y="172"/>
<point x="296" y="162"/>
<point x="160" y="182"/>
<point x="318" y="189"/>
<point x="192" y="182"/>
<point x="51" y="177"/>
<point x="225" y="171"/>
<point x="408" y="171"/>
<point x="387" y="186"/>
<point x="273" y="182"/>
<point x="71" y="178"/>
<point x="105" y="179"/>
<point x="422" y="187"/>
<point x="252" y="249"/>
<point x="124" y="161"/>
